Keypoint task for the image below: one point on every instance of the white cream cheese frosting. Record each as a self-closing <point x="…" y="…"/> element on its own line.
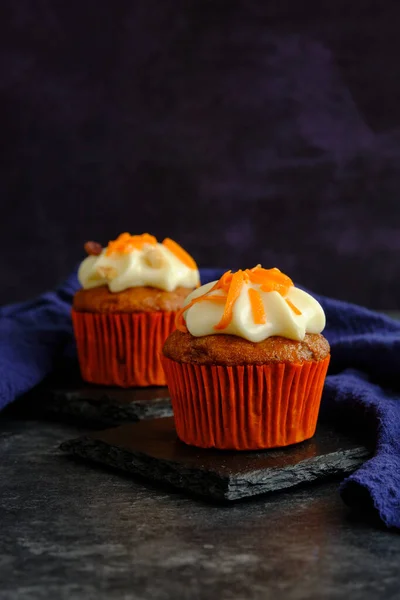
<point x="133" y="261"/>
<point x="265" y="303"/>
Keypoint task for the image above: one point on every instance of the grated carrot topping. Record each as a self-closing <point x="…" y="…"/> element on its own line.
<point x="271" y="280"/>
<point x="216" y="299"/>
<point x="180" y="253"/>
<point x="231" y="284"/>
<point x="235" y="288"/>
<point x="125" y="243"/>
<point x="179" y="319"/>
<point x="217" y="285"/>
<point x="293" y="307"/>
<point x="257" y="307"/>
<point x="225" y="281"/>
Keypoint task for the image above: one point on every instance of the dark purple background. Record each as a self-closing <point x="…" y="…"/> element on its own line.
<point x="249" y="131"/>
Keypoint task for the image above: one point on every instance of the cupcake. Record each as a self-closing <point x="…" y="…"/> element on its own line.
<point x="131" y="293"/>
<point x="247" y="363"/>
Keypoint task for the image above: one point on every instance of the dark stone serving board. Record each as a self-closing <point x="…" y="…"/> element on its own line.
<point x="98" y="405"/>
<point x="151" y="449"/>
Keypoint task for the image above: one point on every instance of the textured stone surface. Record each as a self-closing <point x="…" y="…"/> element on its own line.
<point x="71" y="531"/>
<point x="97" y="406"/>
<point x="152" y="450"/>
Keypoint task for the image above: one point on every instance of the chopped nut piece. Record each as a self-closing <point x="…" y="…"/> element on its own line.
<point x="107" y="272"/>
<point x="154" y="258"/>
<point x="93" y="248"/>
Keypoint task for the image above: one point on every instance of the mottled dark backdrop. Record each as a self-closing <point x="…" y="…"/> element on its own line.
<point x="247" y="130"/>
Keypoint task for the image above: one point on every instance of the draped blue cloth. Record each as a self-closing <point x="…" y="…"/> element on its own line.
<point x="361" y="387"/>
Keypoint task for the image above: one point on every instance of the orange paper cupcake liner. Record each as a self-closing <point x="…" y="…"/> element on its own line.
<point x="122" y="349"/>
<point x="246" y="407"/>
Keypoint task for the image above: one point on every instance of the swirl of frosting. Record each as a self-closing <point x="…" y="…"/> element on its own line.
<point x="138" y="260"/>
<point x="253" y="304"/>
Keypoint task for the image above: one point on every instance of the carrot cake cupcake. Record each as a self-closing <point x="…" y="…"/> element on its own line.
<point x="131" y="292"/>
<point x="247" y="363"/>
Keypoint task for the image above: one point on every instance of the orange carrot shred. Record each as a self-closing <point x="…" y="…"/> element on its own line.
<point x="233" y="294"/>
<point x="180" y="253"/>
<point x="225" y="281"/>
<point x="269" y="280"/>
<point x="125" y="243"/>
<point x="179" y="319"/>
<point x="180" y="323"/>
<point x="217" y="284"/>
<point x="216" y="299"/>
<point x="293" y="307"/>
<point x="257" y="307"/>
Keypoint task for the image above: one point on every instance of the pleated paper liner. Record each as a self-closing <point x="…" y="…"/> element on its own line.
<point x="122" y="349"/>
<point x="246" y="407"/>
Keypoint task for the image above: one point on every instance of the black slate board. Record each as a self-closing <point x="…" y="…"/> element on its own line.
<point x="98" y="405"/>
<point x="151" y="449"/>
<point x="64" y="396"/>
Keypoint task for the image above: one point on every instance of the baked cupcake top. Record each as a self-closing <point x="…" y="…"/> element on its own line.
<point x="136" y="261"/>
<point x="254" y="304"/>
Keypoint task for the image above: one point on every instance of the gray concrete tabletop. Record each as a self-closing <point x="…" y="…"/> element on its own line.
<point x="70" y="530"/>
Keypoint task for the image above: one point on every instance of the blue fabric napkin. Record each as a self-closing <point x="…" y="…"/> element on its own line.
<point x="362" y="389"/>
